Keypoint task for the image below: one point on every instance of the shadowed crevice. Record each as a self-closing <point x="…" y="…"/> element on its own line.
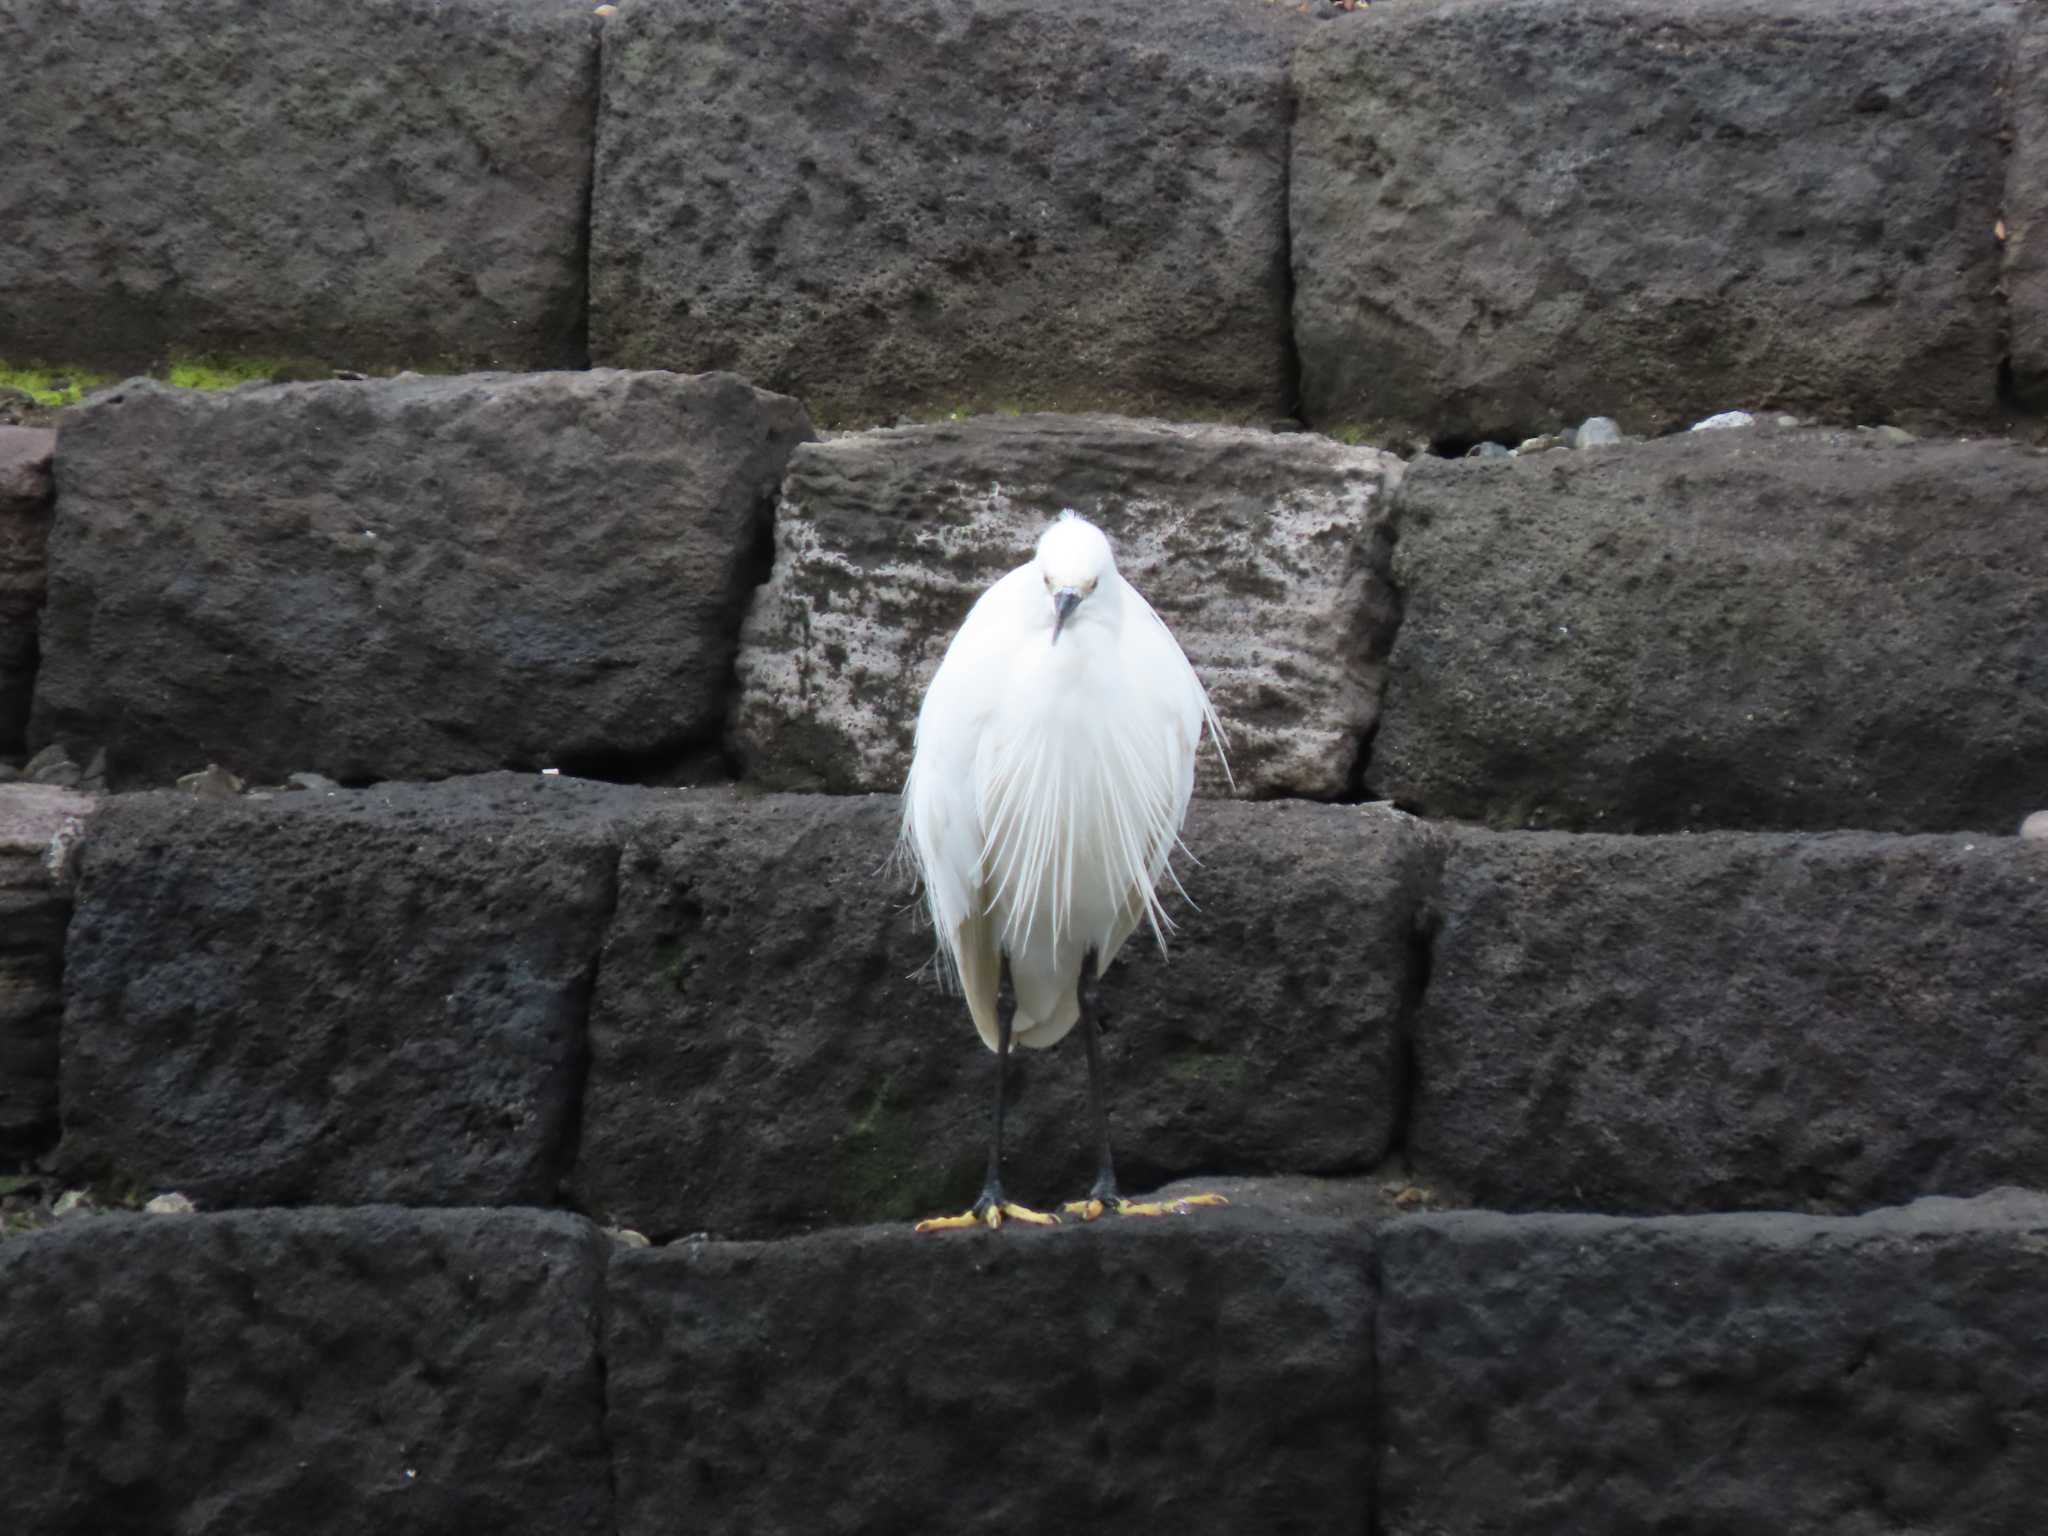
<point x="568" y="1146"/>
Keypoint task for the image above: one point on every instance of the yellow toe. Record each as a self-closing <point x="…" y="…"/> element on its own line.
<point x="1087" y="1210"/>
<point x="958" y="1223"/>
<point x="1179" y="1207"/>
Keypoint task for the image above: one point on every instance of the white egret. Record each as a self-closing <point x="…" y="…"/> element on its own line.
<point x="1054" y="759"/>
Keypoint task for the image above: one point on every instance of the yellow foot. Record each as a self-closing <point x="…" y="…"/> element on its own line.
<point x="991" y="1216"/>
<point x="1091" y="1208"/>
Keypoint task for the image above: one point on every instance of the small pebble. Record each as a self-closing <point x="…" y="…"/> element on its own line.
<point x="212" y="782"/>
<point x="72" y="1201"/>
<point x="1598" y="432"/>
<point x="1542" y="444"/>
<point x="1896" y="437"/>
<point x="1723" y="420"/>
<point x="626" y="1237"/>
<point x="551" y="773"/>
<point x="1489" y="451"/>
<point x="1789" y="422"/>
<point x="2035" y="828"/>
<point x="53" y="765"/>
<point x="170" y="1205"/>
<point x="312" y="781"/>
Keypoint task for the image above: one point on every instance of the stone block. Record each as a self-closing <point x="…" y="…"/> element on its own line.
<point x="1597" y="1377"/>
<point x="1509" y="215"/>
<point x="336" y="997"/>
<point x="1196" y="1374"/>
<point x="766" y="1054"/>
<point x="1747" y="629"/>
<point x="320" y="1371"/>
<point x="406" y="578"/>
<point x="40" y="825"/>
<point x="384" y="184"/>
<point x="932" y="207"/>
<point x="1722" y="1021"/>
<point x="1265" y="554"/>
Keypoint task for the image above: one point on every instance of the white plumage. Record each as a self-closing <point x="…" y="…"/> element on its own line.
<point x="1054" y="760"/>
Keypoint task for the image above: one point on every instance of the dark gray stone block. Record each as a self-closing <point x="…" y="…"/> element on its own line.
<point x="410" y="577"/>
<point x="1722" y="1021"/>
<point x="384" y="184"/>
<point x="316" y="1371"/>
<point x="1581" y="1375"/>
<point x="39" y="825"/>
<point x="1509" y="215"/>
<point x="337" y="997"/>
<point x="766" y="1056"/>
<point x="2026" y="213"/>
<point x="932" y="207"/>
<point x="1265" y="554"/>
<point x="1197" y="1374"/>
<point x="1727" y="629"/>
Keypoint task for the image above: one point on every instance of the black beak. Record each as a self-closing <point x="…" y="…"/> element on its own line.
<point x="1064" y="602"/>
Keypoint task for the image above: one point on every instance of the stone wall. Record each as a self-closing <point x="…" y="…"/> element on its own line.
<point x="1227" y="211"/>
<point x="1606" y="986"/>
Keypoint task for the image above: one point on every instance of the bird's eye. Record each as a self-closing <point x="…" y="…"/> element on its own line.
<point x="1048" y="583"/>
<point x="1088" y="586"/>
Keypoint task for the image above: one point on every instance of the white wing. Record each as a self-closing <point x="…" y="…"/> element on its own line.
<point x="941" y="821"/>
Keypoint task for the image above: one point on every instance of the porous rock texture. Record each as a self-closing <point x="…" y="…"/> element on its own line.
<point x="1265" y="554"/>
<point x="931" y="207"/>
<point x="382" y="183"/>
<point x="1587" y="1375"/>
<point x="1726" y="629"/>
<point x="2026" y="213"/>
<point x="25" y="454"/>
<point x="1724" y="1021"/>
<point x="338" y="1372"/>
<point x="342" y="996"/>
<point x="410" y="577"/>
<point x="1202" y="1373"/>
<point x="1730" y="201"/>
<point x="767" y="1053"/>
<point x="39" y="826"/>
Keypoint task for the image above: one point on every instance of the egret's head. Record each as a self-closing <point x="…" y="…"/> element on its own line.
<point x="1075" y="563"/>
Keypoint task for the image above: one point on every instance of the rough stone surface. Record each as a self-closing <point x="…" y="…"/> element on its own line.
<point x="410" y="577"/>
<point x="25" y="454"/>
<point x="383" y="183"/>
<point x="2026" y="213"/>
<point x="1791" y="204"/>
<point x="1582" y="1375"/>
<point x="1208" y="1373"/>
<point x="1265" y="554"/>
<point x="1726" y="629"/>
<point x="36" y="821"/>
<point x="929" y="207"/>
<point x="1724" y="1021"/>
<point x="766" y="1056"/>
<point x="369" y="1371"/>
<point x="342" y="997"/>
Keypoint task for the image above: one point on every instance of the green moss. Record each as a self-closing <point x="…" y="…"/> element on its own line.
<point x="1223" y="1071"/>
<point x="672" y="963"/>
<point x="878" y="1173"/>
<point x="52" y="386"/>
<point x="215" y="372"/>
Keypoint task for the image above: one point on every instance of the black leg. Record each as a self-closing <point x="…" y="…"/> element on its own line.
<point x="1105" y="1188"/>
<point x="992" y="1187"/>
